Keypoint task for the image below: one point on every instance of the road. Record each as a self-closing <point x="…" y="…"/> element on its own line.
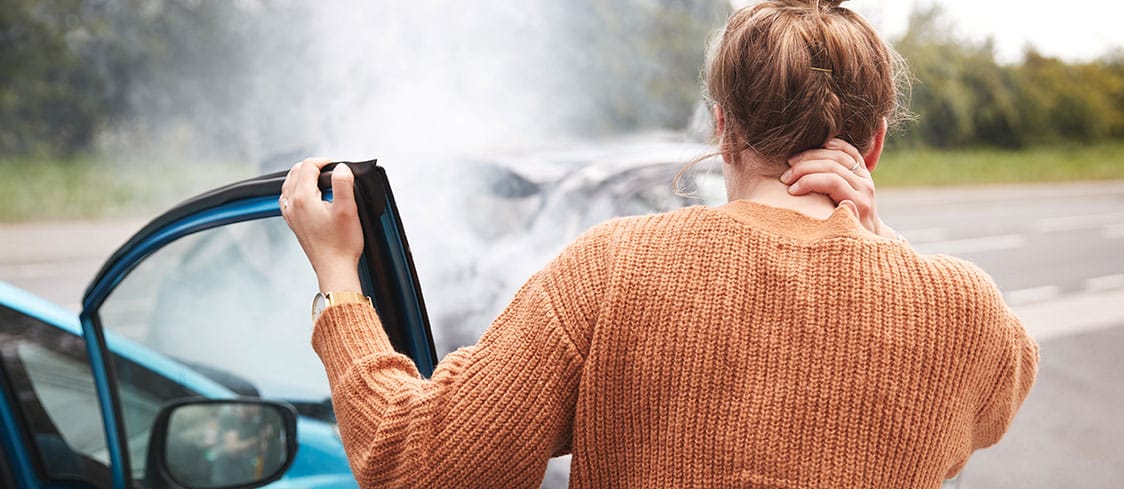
<point x="1056" y="251"/>
<point x="56" y="260"/>
<point x="1039" y="242"/>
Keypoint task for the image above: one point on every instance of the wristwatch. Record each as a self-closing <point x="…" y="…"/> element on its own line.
<point x="325" y="299"/>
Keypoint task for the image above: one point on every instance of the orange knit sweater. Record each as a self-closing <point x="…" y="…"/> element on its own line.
<point x="740" y="346"/>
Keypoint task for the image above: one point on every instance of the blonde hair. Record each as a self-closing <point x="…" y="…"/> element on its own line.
<point x="790" y="74"/>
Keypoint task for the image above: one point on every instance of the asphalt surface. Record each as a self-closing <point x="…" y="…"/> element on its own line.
<point x="1056" y="251"/>
<point x="57" y="260"/>
<point x="1038" y="242"/>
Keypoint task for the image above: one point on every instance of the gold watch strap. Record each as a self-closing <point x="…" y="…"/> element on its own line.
<point x="346" y="297"/>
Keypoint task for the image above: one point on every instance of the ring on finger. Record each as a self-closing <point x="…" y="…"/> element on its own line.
<point x="284" y="203"/>
<point x="856" y="167"/>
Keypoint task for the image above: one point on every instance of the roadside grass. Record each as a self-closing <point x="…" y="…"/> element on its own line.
<point x="88" y="188"/>
<point x="930" y="167"/>
<point x="91" y="188"/>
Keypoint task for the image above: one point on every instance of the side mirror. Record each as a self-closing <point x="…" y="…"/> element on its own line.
<point x="221" y="444"/>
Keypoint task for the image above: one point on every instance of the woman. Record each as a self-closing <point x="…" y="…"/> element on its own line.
<point x="771" y="342"/>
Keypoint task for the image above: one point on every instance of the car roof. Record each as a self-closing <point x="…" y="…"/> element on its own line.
<point x="32" y="305"/>
<point x="56" y="316"/>
<point x="606" y="157"/>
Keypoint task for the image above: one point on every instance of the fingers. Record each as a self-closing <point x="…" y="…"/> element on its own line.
<point x="343" y="190"/>
<point x="305" y="188"/>
<point x="828" y="183"/>
<point x="821" y="160"/>
<point x="835" y="170"/>
<point x="800" y="169"/>
<point x="841" y="145"/>
<point x="300" y="186"/>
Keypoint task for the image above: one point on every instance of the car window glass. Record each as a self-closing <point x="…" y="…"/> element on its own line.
<point x="60" y="402"/>
<point x="50" y="377"/>
<point x="234" y="304"/>
<point x="142" y="393"/>
<point x="64" y="386"/>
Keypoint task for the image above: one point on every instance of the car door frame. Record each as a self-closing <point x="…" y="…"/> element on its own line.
<point x="6" y="477"/>
<point x="25" y="462"/>
<point x="13" y="448"/>
<point x="386" y="273"/>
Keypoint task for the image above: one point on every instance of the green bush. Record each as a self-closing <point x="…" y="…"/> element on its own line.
<point x="964" y="98"/>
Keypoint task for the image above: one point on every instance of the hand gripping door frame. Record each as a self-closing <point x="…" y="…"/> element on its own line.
<point x="386" y="271"/>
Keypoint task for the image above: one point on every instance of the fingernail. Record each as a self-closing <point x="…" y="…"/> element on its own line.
<point x="794" y="188"/>
<point x="786" y="175"/>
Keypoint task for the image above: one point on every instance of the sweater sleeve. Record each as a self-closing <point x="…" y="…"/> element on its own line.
<point x="491" y="415"/>
<point x="1015" y="374"/>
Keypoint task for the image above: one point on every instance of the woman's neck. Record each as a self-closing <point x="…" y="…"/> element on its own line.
<point x="772" y="192"/>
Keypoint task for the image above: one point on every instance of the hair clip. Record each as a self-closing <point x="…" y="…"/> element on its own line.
<point x="825" y="70"/>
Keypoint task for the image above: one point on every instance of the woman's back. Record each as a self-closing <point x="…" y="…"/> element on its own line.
<point x="750" y="345"/>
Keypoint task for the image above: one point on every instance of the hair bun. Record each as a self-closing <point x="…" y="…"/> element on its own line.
<point x="813" y="3"/>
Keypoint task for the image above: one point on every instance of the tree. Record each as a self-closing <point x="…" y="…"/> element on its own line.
<point x="636" y="63"/>
<point x="48" y="102"/>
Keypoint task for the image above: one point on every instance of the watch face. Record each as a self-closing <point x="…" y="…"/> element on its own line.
<point x="318" y="304"/>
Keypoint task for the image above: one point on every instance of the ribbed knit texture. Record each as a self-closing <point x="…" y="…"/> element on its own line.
<point x="742" y="346"/>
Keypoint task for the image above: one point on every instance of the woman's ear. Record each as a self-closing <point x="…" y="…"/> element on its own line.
<point x="875" y="152"/>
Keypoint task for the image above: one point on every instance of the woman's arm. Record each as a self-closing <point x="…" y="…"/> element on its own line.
<point x="1017" y="367"/>
<point x="493" y="413"/>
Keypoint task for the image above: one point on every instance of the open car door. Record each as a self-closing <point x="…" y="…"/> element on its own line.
<point x="219" y="285"/>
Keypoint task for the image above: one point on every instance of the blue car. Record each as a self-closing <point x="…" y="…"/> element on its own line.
<point x="189" y="365"/>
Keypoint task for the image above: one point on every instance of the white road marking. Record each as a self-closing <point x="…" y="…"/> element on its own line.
<point x="925" y="235"/>
<point x="973" y="245"/>
<point x="1073" y="223"/>
<point x="1114" y="231"/>
<point x="1107" y="282"/>
<point x="1072" y="314"/>
<point x="1033" y="294"/>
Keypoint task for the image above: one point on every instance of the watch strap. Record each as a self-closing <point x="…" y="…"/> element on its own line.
<point x="346" y="297"/>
